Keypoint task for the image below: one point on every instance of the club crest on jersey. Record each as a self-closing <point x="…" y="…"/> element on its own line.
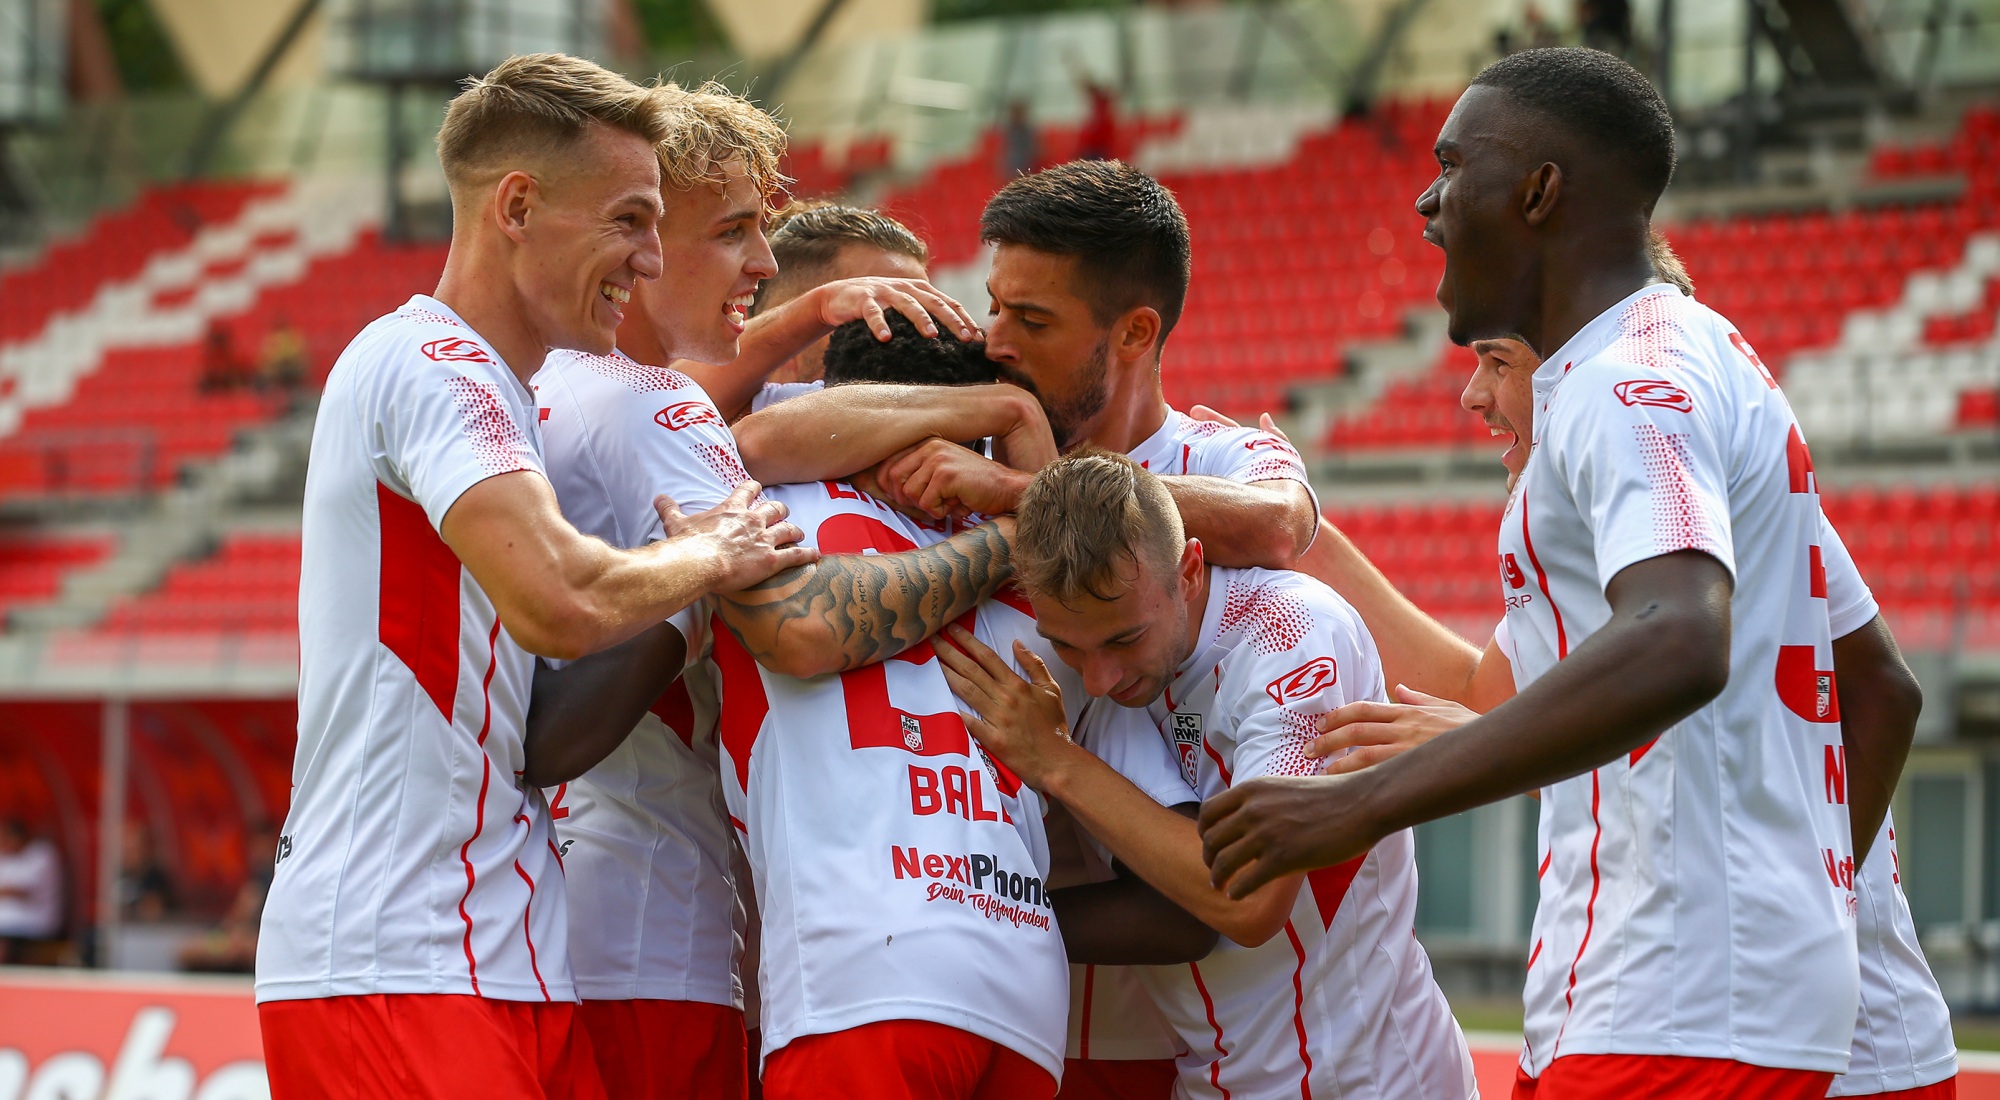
<point x="1823" y="701"/>
<point x="1187" y="743"/>
<point x="686" y="415"/>
<point x="1654" y="392"/>
<point x="456" y="349"/>
<point x="1304" y="682"/>
<point x="913" y="733"/>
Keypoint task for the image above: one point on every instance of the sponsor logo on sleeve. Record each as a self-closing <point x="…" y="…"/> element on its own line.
<point x="1654" y="392"/>
<point x="1304" y="682"/>
<point x="687" y="414"/>
<point x="1268" y="442"/>
<point x="456" y="349"/>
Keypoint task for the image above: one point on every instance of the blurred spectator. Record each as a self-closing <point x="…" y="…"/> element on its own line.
<point x="281" y="367"/>
<point x="1098" y="140"/>
<point x="1020" y="149"/>
<point x="30" y="893"/>
<point x="1607" y="25"/>
<point x="232" y="947"/>
<point x="1537" y="29"/>
<point x="222" y="369"/>
<point x="145" y="893"/>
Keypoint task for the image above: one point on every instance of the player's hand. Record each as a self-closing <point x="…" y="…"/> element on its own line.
<point x="1030" y="444"/>
<point x="941" y="478"/>
<point x="1021" y="722"/>
<point x="1264" y="421"/>
<point x="866" y="299"/>
<point x="748" y="541"/>
<point x="1377" y="731"/>
<point x="1277" y="825"/>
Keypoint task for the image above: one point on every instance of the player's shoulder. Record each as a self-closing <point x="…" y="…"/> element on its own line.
<point x="421" y="348"/>
<point x="1274" y="611"/>
<point x="622" y="371"/>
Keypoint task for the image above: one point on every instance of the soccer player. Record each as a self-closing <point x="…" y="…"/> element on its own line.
<point x="1695" y="930"/>
<point x="1320" y="987"/>
<point x="1090" y="272"/>
<point x="656" y="929"/>
<point x="414" y="942"/>
<point x="835" y="264"/>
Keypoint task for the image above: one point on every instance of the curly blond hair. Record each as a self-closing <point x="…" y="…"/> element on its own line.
<point x="709" y="126"/>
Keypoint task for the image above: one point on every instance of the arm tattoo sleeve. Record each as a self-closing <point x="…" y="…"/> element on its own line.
<point x="862" y="608"/>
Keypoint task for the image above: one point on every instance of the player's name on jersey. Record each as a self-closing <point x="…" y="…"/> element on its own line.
<point x="977" y="880"/>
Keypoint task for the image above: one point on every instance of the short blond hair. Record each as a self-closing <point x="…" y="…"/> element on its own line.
<point x="707" y="127"/>
<point x="533" y="108"/>
<point x="1085" y="514"/>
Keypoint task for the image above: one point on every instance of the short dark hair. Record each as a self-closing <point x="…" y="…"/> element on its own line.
<point x="806" y="237"/>
<point x="1599" y="99"/>
<point x="908" y="357"/>
<point x="1126" y="231"/>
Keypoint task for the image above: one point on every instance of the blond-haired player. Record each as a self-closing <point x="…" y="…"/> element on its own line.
<point x="414" y="943"/>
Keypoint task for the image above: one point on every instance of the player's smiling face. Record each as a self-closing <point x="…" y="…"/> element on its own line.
<point x="1472" y="210"/>
<point x="588" y="234"/>
<point x="715" y="254"/>
<point x="1047" y="340"/>
<point x="1127" y="647"/>
<point x="1502" y="393"/>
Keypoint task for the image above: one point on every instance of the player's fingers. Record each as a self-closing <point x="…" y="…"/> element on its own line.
<point x="671" y="515"/>
<point x="947" y="308"/>
<point x="1203" y="412"/>
<point x="878" y="322"/>
<point x="1364" y="757"/>
<point x="1265" y="422"/>
<point x="793" y="557"/>
<point x="994" y="664"/>
<point x="1415" y="698"/>
<point x="1349" y="736"/>
<point x="772" y="512"/>
<point x="910" y="306"/>
<point x="740" y="497"/>
<point x="973" y="693"/>
<point x="784" y="534"/>
<point x="1038" y="672"/>
<point x="1364" y="711"/>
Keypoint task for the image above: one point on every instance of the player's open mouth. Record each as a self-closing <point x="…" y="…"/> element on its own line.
<point x="1513" y="441"/>
<point x="737" y="310"/>
<point x="615" y="294"/>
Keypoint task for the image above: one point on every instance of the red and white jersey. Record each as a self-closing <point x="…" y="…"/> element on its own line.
<point x="899" y="872"/>
<point x="1184" y="446"/>
<point x="646" y="845"/>
<point x="1111" y="1015"/>
<point x="413" y="859"/>
<point x="1902" y="1036"/>
<point x="1342" y="1003"/>
<point x="1658" y="430"/>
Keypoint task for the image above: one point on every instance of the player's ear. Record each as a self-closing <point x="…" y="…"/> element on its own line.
<point x="1136" y="334"/>
<point x="1192" y="562"/>
<point x="513" y="197"/>
<point x="1540" y="192"/>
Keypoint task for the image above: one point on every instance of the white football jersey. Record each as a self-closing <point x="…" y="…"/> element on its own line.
<point x="899" y="872"/>
<point x="1658" y="430"/>
<point x="413" y="859"/>
<point x="1111" y="1016"/>
<point x="1184" y="446"/>
<point x="1902" y="1036"/>
<point x="1342" y="1003"/>
<point x="646" y="845"/>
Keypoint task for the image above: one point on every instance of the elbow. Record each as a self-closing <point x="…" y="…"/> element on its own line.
<point x="558" y="633"/>
<point x="804" y="661"/>
<point x="540" y="771"/>
<point x="1252" y="929"/>
<point x="1695" y="655"/>
<point x="1194" y="942"/>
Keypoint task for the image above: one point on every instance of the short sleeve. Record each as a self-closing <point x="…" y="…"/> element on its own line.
<point x="1644" y="466"/>
<point x="775" y="393"/>
<point x="1131" y="744"/>
<point x="1276" y="696"/>
<point x="440" y="428"/>
<point x="1248" y="455"/>
<point x="1849" y="603"/>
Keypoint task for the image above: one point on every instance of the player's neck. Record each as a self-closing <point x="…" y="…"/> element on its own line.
<point x="491" y="306"/>
<point x="1133" y="410"/>
<point x="1197" y="614"/>
<point x="638" y="338"/>
<point x="1580" y="283"/>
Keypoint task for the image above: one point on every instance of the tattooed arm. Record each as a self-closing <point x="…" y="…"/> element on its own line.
<point x="849" y="610"/>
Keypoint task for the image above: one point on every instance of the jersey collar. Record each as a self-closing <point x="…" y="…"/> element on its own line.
<point x="1589" y="340"/>
<point x="1159" y="447"/>
<point x="428" y="304"/>
<point x="1208" y="645"/>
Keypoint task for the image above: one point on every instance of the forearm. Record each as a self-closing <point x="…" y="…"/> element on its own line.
<point x="1125" y="922"/>
<point x="1624" y="686"/>
<point x="1161" y="847"/>
<point x="1264" y="525"/>
<point x="841" y="431"/>
<point x="1880" y="700"/>
<point x="1417" y="651"/>
<point x="619" y="593"/>
<point x="768" y="342"/>
<point x="850" y="610"/>
<point x="578" y="714"/>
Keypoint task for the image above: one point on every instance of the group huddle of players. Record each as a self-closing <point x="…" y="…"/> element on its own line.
<point x="726" y="665"/>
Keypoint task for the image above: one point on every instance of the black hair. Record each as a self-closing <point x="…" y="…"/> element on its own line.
<point x="908" y="357"/>
<point x="1597" y="98"/>
<point x="1126" y="231"/>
